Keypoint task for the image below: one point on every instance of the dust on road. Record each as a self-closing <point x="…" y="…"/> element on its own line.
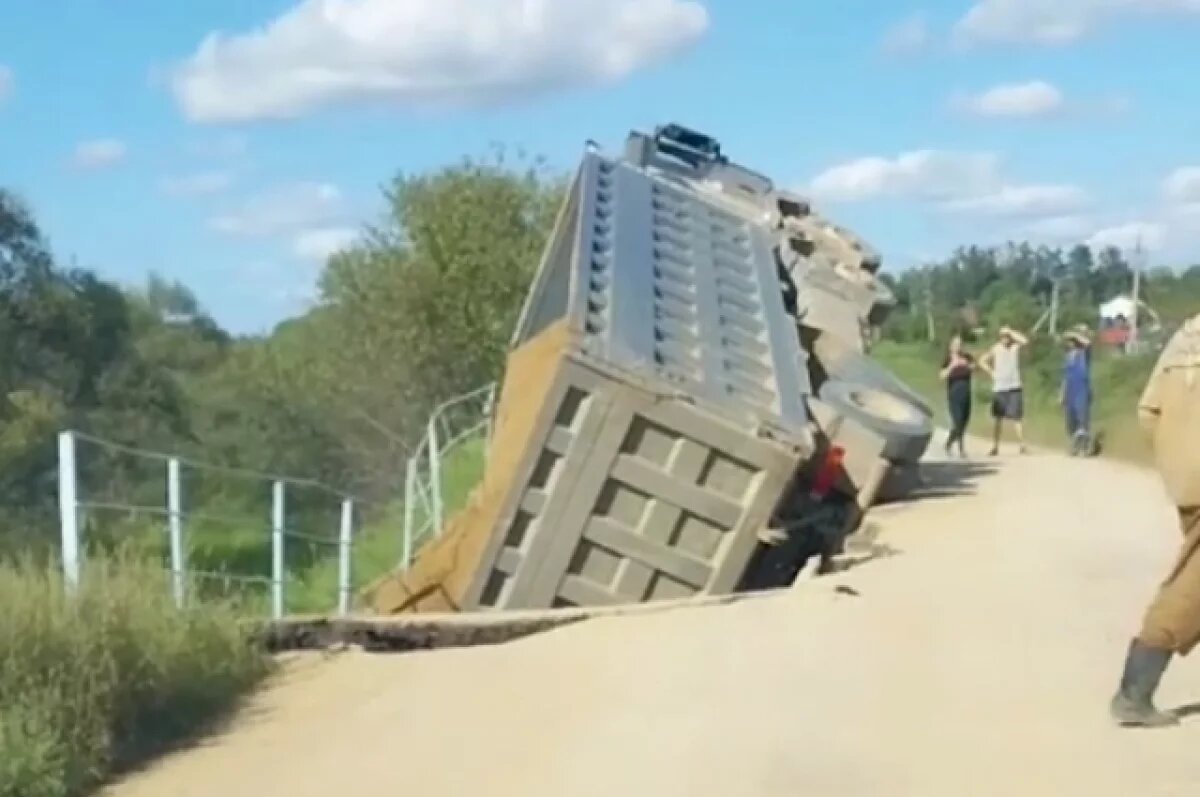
<point x="978" y="661"/>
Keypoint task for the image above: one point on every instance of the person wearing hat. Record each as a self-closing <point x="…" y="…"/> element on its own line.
<point x="1169" y="410"/>
<point x="1002" y="362"/>
<point x="1075" y="394"/>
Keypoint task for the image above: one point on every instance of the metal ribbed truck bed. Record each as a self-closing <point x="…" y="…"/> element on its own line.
<point x="674" y="421"/>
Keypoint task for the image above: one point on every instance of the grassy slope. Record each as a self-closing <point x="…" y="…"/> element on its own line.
<point x="1117" y="382"/>
<point x="92" y="685"/>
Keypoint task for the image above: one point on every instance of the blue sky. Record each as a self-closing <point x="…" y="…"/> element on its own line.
<point x="231" y="144"/>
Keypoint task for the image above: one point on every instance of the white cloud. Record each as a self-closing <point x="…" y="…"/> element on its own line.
<point x="1170" y="229"/>
<point x="8" y="83"/>
<point x="923" y="174"/>
<point x="199" y="184"/>
<point x="321" y="243"/>
<point x="284" y="210"/>
<point x="1065" y="229"/>
<point x="427" y="52"/>
<point x="1013" y="201"/>
<point x="1054" y="22"/>
<point x="1033" y="99"/>
<point x="99" y="154"/>
<point x="1182" y="186"/>
<point x="908" y="36"/>
<point x="1151" y="235"/>
<point x="965" y="183"/>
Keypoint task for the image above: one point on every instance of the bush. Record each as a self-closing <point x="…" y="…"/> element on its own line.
<point x="96" y="683"/>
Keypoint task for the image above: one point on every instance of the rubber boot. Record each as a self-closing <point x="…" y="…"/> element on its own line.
<point x="1133" y="705"/>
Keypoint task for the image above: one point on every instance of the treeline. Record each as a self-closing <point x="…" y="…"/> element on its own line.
<point x="419" y="309"/>
<point x="1013" y="284"/>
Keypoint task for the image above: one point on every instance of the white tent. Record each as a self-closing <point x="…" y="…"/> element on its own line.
<point x="1117" y="307"/>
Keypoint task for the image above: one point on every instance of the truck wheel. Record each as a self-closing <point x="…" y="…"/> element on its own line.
<point x="905" y="428"/>
<point x="845" y="364"/>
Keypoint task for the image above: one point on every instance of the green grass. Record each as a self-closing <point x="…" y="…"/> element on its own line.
<point x="378" y="547"/>
<point x="1117" y="382"/>
<point x="93" y="684"/>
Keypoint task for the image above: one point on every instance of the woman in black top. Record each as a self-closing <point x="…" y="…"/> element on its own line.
<point x="956" y="372"/>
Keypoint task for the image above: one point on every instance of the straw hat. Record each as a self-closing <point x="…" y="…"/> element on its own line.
<point x="1005" y="331"/>
<point x="1080" y="334"/>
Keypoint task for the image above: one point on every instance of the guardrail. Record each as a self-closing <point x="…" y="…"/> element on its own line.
<point x="451" y="425"/>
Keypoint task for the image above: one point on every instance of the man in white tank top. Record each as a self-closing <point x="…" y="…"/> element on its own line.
<point x="1003" y="364"/>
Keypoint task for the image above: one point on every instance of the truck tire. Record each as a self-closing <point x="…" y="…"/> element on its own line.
<point x="845" y="364"/>
<point x="905" y="428"/>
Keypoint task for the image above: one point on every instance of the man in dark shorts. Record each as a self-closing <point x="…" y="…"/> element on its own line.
<point x="1003" y="364"/>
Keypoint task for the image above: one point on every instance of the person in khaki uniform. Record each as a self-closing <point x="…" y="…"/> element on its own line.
<point x="1169" y="409"/>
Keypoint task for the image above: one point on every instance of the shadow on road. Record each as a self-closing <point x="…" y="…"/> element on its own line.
<point x="946" y="480"/>
<point x="1190" y="710"/>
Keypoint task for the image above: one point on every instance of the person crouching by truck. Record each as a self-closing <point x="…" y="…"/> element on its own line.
<point x="1075" y="394"/>
<point x="1169" y="409"/>
<point x="956" y="372"/>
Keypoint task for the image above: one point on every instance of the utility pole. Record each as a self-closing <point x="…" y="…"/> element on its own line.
<point x="1054" y="308"/>
<point x="930" y="328"/>
<point x="1132" y="345"/>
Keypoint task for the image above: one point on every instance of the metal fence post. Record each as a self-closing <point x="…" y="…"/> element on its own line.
<point x="277" y="519"/>
<point x="175" y="520"/>
<point x="435" y="474"/>
<point x="68" y="509"/>
<point x="489" y="409"/>
<point x="344" y="541"/>
<point x="410" y="508"/>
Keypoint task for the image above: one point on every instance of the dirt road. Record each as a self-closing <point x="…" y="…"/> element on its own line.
<point x="978" y="660"/>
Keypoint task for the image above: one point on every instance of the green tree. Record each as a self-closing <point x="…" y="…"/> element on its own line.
<point x="422" y="309"/>
<point x="67" y="358"/>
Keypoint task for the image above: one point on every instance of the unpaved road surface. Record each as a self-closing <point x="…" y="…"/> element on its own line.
<point x="978" y="660"/>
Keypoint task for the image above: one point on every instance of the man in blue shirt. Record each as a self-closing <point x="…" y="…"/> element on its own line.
<point x="1076" y="394"/>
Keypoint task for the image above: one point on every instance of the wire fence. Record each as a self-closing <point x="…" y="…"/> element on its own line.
<point x="278" y="543"/>
<point x="218" y="529"/>
<point x="444" y="467"/>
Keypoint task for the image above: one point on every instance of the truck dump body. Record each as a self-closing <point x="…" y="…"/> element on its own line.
<point x="655" y="412"/>
<point x="670" y="411"/>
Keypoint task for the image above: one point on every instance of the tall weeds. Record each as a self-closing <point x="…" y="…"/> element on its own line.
<point x="95" y="682"/>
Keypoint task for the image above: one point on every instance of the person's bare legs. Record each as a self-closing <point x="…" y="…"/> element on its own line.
<point x="1019" y="426"/>
<point x="996" y="436"/>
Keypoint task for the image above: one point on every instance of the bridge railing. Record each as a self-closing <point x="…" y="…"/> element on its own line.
<point x="445" y="465"/>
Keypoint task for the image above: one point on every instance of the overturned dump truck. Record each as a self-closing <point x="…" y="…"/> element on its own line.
<point x="688" y="406"/>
